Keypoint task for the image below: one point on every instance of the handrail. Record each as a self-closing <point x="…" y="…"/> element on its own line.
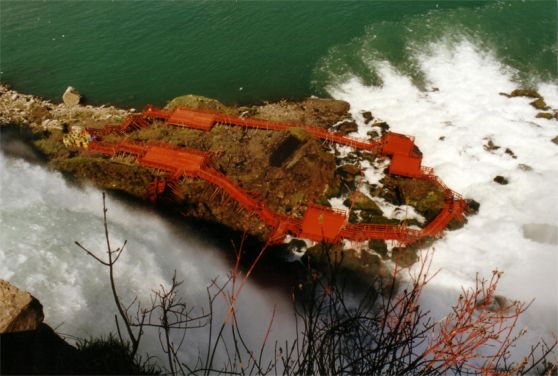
<point x="281" y="225"/>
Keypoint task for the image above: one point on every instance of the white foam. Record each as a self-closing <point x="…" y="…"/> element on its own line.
<point x="42" y="216"/>
<point x="466" y="110"/>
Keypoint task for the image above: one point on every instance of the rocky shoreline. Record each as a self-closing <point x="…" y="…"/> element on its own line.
<point x="287" y="169"/>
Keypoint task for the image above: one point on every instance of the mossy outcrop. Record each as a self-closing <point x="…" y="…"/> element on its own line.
<point x="198" y="101"/>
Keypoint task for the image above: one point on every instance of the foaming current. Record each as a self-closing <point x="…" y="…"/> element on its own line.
<point x="41" y="217"/>
<point x="452" y="120"/>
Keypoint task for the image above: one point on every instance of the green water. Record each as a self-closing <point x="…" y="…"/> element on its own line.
<point x="132" y="53"/>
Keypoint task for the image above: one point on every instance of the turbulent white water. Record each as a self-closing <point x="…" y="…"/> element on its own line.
<point x="42" y="216"/>
<point x="515" y="230"/>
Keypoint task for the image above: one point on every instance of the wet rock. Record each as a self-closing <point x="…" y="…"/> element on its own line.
<point x="555" y="140"/>
<point x="350" y="169"/>
<point x="19" y="310"/>
<point x="296" y="245"/>
<point x="490" y="146"/>
<point x="359" y="201"/>
<point x="373" y="134"/>
<point x="325" y="105"/>
<point x="348" y="127"/>
<point x="383" y="125"/>
<point x="501" y="180"/>
<point x="404" y="256"/>
<point x="379" y="246"/>
<point x="426" y="196"/>
<point x="545" y="115"/>
<point x="71" y="97"/>
<point x="530" y="93"/>
<point x="367" y="115"/>
<point x="539" y="104"/>
<point x="509" y="152"/>
<point x="472" y="206"/>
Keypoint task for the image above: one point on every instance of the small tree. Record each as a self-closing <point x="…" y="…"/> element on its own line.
<point x="383" y="331"/>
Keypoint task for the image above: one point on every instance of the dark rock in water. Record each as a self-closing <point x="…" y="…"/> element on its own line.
<point x="379" y="246"/>
<point x="501" y="180"/>
<point x="296" y="245"/>
<point x="373" y="134"/>
<point x="530" y="93"/>
<point x="456" y="224"/>
<point x="424" y="195"/>
<point x="367" y="115"/>
<point x="383" y="125"/>
<point x="490" y="146"/>
<point x="472" y="206"/>
<point x="510" y="153"/>
<point x="555" y="140"/>
<point x="540" y="104"/>
<point x="348" y="127"/>
<point x="545" y="115"/>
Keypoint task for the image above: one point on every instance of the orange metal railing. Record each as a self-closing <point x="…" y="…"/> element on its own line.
<point x="180" y="162"/>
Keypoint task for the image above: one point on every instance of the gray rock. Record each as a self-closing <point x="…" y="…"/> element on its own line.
<point x="71" y="97"/>
<point x="19" y="311"/>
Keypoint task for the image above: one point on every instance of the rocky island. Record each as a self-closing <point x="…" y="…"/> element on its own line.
<point x="287" y="170"/>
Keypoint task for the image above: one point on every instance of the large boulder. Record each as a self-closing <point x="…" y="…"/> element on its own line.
<point x="359" y="201"/>
<point x="19" y="310"/>
<point x="198" y="101"/>
<point x="529" y="93"/>
<point x="540" y="104"/>
<point x="71" y="97"/>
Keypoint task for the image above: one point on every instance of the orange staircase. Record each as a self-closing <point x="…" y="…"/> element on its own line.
<point x="319" y="223"/>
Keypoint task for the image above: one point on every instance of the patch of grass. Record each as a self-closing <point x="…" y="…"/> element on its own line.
<point x="109" y="356"/>
<point x="51" y="146"/>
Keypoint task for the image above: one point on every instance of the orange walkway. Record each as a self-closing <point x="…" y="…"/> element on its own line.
<point x="319" y="223"/>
